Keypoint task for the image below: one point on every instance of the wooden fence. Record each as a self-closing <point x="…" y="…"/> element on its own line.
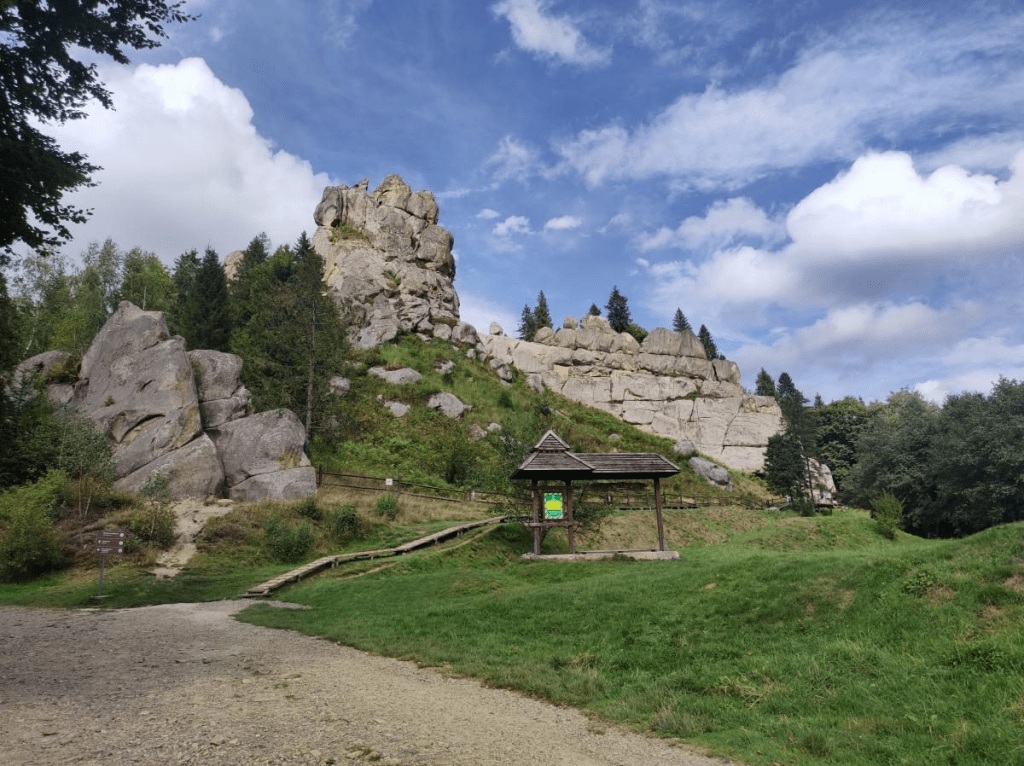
<point x="636" y="497"/>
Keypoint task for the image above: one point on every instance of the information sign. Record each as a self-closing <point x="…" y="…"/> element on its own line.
<point x="110" y="543"/>
<point x="552" y="505"/>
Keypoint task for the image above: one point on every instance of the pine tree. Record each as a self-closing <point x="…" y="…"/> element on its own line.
<point x="255" y="254"/>
<point x="182" y="312"/>
<point x="617" y="311"/>
<point x="594" y="310"/>
<point x="710" y="349"/>
<point x="527" y="324"/>
<point x="541" y="314"/>
<point x="211" y="319"/>
<point x="764" y="385"/>
<point x="294" y="339"/>
<point x="680" y="323"/>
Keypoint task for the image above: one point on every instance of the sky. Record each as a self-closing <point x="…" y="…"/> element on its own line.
<point x="836" y="190"/>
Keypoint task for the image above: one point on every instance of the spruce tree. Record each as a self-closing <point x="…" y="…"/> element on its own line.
<point x="211" y="320"/>
<point x="527" y="324"/>
<point x="764" y="385"/>
<point x="617" y="311"/>
<point x="255" y="254"/>
<point x="594" y="310"/>
<point x="541" y="314"/>
<point x="182" y="312"/>
<point x="680" y="323"/>
<point x="710" y="349"/>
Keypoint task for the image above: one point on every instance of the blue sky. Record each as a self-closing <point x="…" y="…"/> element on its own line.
<point x="835" y="189"/>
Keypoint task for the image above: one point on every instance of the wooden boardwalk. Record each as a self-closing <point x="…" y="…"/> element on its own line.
<point x="330" y="562"/>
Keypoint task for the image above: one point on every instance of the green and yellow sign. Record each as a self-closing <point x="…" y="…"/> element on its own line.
<point x="552" y="505"/>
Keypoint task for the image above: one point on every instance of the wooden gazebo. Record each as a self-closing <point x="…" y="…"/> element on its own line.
<point x="552" y="465"/>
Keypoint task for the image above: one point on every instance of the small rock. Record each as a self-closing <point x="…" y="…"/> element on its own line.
<point x="496" y="329"/>
<point x="403" y="376"/>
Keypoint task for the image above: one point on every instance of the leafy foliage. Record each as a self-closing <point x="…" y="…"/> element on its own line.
<point x="153" y="520"/>
<point x="146" y="282"/>
<point x="387" y="505"/>
<point x="41" y="81"/>
<point x="84" y="457"/>
<point x="887" y="512"/>
<point x="287" y="543"/>
<point x="345" y="522"/>
<point x="29" y="543"/>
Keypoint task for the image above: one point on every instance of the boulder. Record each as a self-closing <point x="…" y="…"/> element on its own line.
<point x="339" y="385"/>
<point x="56" y="368"/>
<point x="465" y="333"/>
<point x="684" y="447"/>
<point x="137" y="386"/>
<point x="713" y="473"/>
<point x="444" y="366"/>
<point x="398" y="409"/>
<point x="401" y="377"/>
<point x="260" y="444"/>
<point x="823" y="487"/>
<point x="496" y="329"/>
<point x="231" y="263"/>
<point x="476" y="433"/>
<point x="448" y="405"/>
<point x="289" y="484"/>
<point x="191" y="471"/>
<point x="222" y="397"/>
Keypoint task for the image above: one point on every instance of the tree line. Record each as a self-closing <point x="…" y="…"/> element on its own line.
<point x="953" y="470"/>
<point x="617" y="313"/>
<point x="274" y="313"/>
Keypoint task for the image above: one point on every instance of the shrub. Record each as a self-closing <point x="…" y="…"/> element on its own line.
<point x="344" y="522"/>
<point x="387" y="505"/>
<point x="288" y="544"/>
<point x="153" y="520"/>
<point x="505" y="400"/>
<point x="888" y="512"/>
<point x="309" y="510"/>
<point x="29" y="544"/>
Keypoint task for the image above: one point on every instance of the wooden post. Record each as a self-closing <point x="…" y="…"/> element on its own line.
<point x="657" y="511"/>
<point x="535" y="515"/>
<point x="570" y="530"/>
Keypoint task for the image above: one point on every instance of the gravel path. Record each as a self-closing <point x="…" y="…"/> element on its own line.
<point x="187" y="684"/>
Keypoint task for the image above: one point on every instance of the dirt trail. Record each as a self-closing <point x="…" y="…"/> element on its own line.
<point x="191" y="516"/>
<point x="188" y="684"/>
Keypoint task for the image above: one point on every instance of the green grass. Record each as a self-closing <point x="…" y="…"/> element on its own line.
<point x="774" y="647"/>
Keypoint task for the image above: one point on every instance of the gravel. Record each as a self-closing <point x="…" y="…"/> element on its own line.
<point x="188" y="684"/>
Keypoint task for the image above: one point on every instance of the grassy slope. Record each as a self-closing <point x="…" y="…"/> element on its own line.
<point x="795" y="641"/>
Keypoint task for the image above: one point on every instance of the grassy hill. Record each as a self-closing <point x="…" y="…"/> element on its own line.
<point x="773" y="639"/>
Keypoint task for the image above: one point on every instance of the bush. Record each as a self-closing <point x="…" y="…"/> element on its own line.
<point x="888" y="512"/>
<point x="308" y="509"/>
<point x="29" y="544"/>
<point x="289" y="544"/>
<point x="153" y="520"/>
<point x="344" y="522"/>
<point x="387" y="505"/>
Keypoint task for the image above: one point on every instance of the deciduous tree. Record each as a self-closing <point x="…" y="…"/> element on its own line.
<point x="43" y="81"/>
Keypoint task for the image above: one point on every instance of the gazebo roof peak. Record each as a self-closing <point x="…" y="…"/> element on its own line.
<point x="551" y="442"/>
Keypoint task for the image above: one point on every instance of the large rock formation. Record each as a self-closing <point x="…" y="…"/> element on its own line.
<point x="388" y="262"/>
<point x="665" y="385"/>
<point x="138" y="386"/>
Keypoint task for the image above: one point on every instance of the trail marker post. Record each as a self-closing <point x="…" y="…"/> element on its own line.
<point x="109" y="542"/>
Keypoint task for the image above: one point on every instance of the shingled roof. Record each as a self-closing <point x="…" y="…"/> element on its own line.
<point x="552" y="458"/>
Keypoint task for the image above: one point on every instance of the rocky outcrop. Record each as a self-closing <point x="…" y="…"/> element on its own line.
<point x="664" y="385"/>
<point x="387" y="261"/>
<point x="55" y="370"/>
<point x="138" y="386"/>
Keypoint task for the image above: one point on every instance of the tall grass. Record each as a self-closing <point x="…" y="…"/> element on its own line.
<point x="769" y="648"/>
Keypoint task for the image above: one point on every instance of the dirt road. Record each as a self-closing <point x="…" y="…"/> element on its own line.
<point x="187" y="684"/>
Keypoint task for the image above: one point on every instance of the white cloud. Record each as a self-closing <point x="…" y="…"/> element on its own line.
<point x="883" y="206"/>
<point x="555" y="38"/>
<point x="725" y="221"/>
<point x="832" y="104"/>
<point x="563" y="223"/>
<point x="514" y="224"/>
<point x="513" y="161"/>
<point x="487" y="213"/>
<point x="183" y="166"/>
<point x="480" y="312"/>
<point x="993" y="152"/>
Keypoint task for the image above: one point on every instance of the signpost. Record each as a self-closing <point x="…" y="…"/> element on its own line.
<point x="552" y="505"/>
<point x="109" y="542"/>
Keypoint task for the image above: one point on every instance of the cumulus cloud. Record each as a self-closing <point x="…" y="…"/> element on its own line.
<point x="514" y="224"/>
<point x="563" y="223"/>
<point x="479" y="311"/>
<point x="487" y="214"/>
<point x="725" y="222"/>
<point x="184" y="166"/>
<point x="831" y="104"/>
<point x="554" y="38"/>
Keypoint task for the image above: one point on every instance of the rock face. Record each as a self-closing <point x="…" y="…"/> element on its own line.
<point x="137" y="385"/>
<point x="387" y="260"/>
<point x="665" y="385"/>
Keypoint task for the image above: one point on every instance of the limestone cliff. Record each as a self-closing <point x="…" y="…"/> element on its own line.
<point x="387" y="261"/>
<point x="664" y="385"/>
